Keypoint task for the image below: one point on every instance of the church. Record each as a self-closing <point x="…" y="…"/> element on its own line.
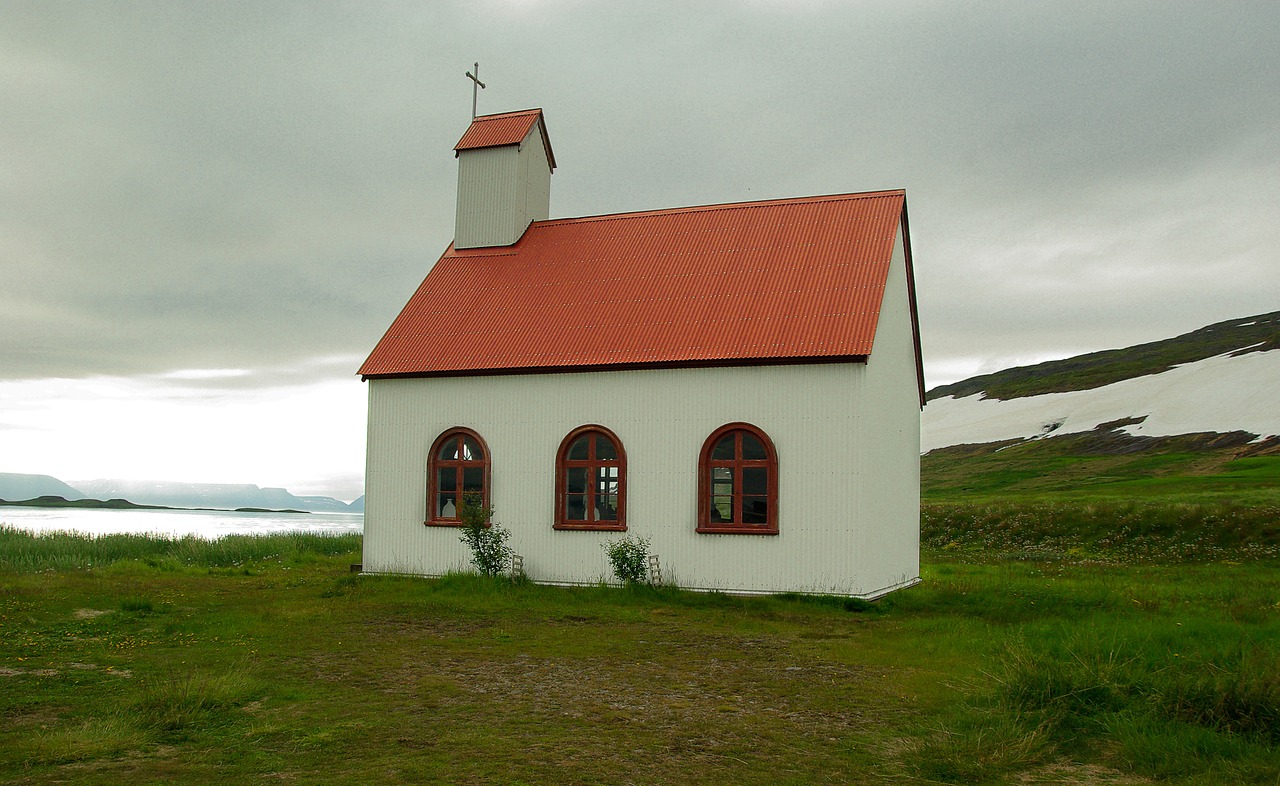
<point x="740" y="384"/>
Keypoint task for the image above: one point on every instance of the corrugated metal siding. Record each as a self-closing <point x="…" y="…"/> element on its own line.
<point x="783" y="279"/>
<point x="811" y="412"/>
<point x="488" y="203"/>
<point x="535" y="184"/>
<point x="890" y="448"/>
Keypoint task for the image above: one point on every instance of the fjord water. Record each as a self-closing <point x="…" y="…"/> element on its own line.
<point x="208" y="524"/>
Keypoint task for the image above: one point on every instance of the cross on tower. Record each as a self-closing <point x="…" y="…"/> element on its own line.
<point x="476" y="83"/>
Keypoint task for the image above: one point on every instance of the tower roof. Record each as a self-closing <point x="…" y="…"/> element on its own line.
<point x="507" y="128"/>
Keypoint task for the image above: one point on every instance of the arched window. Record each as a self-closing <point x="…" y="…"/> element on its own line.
<point x="591" y="481"/>
<point x="738" y="482"/>
<point x="459" y="464"/>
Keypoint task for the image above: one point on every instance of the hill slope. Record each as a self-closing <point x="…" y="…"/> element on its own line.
<point x="1230" y="390"/>
<point x="1084" y="372"/>
<point x="14" y="486"/>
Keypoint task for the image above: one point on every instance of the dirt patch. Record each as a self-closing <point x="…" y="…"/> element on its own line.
<point x="11" y="672"/>
<point x="672" y="693"/>
<point x="1080" y="775"/>
<point x="88" y="614"/>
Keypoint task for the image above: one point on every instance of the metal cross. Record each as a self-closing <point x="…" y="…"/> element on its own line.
<point x="475" y="78"/>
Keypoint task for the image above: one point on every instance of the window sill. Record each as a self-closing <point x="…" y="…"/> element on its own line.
<point x="455" y="523"/>
<point x="741" y="529"/>
<point x="590" y="526"/>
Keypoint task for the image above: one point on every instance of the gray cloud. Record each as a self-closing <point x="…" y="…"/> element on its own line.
<point x="249" y="185"/>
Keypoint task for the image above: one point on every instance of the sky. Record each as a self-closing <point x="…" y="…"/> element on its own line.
<point x="210" y="212"/>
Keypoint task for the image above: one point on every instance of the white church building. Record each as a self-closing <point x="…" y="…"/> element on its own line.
<point x="738" y="383"/>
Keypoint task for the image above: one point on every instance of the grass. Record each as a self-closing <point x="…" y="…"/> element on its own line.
<point x="1106" y="465"/>
<point x="1111" y="530"/>
<point x="173" y="660"/>
<point x="20" y="552"/>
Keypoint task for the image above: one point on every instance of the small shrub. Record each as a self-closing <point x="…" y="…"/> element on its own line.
<point x="629" y="558"/>
<point x="488" y="543"/>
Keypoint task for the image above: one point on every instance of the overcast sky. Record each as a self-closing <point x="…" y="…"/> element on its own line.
<point x="210" y="212"/>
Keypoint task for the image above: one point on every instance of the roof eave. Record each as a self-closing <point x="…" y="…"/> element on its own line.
<point x="585" y="369"/>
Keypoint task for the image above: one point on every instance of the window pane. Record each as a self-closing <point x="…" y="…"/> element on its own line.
<point x="752" y="448"/>
<point x="724" y="448"/>
<point x="449" y="450"/>
<point x="577" y="479"/>
<point x="473" y="479"/>
<point x="471" y="450"/>
<point x="721" y="509"/>
<point x="578" y="450"/>
<point x="605" y="449"/>
<point x="446" y="506"/>
<point x="755" y="480"/>
<point x="606" y="483"/>
<point x="575" y="507"/>
<point x="607" y="507"/>
<point x="721" y="480"/>
<point x="755" y="510"/>
<point x="446" y="479"/>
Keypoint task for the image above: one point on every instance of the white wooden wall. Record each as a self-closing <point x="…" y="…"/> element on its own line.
<point x="847" y="438"/>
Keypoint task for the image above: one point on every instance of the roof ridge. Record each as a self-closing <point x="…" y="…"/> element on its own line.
<point x="512" y="113"/>
<point x="723" y="206"/>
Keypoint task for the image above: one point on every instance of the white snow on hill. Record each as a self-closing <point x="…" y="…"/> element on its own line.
<point x="1219" y="394"/>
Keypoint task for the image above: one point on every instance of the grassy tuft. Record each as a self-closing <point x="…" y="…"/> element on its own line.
<point x="180" y="704"/>
<point x="94" y="739"/>
<point x="137" y="605"/>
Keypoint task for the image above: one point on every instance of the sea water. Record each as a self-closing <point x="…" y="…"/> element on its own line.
<point x="208" y="524"/>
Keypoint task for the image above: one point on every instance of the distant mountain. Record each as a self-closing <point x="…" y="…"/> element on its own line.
<point x="1216" y="380"/>
<point x="207" y="495"/>
<point x="14" y="487"/>
<point x="357" y="505"/>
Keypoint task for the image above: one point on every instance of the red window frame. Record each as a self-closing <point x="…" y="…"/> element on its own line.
<point x="707" y="465"/>
<point x="435" y="463"/>
<point x="592" y="464"/>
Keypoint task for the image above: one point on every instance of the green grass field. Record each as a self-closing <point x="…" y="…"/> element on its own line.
<point x="265" y="659"/>
<point x="1063" y="634"/>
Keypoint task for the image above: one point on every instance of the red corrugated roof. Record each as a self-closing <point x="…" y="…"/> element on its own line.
<point x="792" y="280"/>
<point x="508" y="128"/>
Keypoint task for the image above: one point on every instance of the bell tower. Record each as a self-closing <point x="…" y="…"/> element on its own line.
<point x="504" y="178"/>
